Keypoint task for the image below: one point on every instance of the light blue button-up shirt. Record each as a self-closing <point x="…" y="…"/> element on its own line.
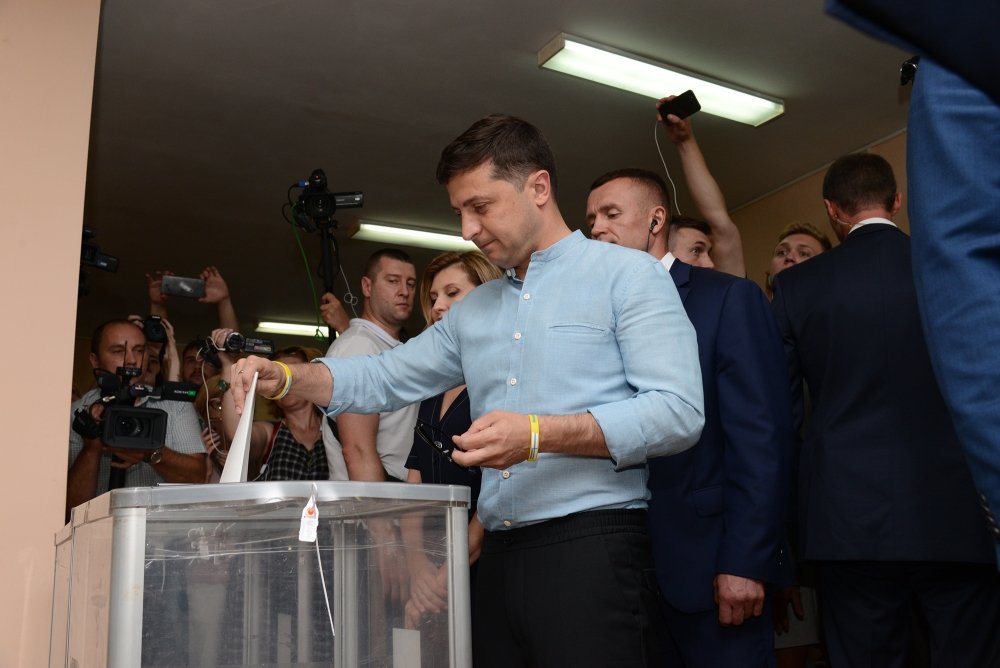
<point x="593" y="327"/>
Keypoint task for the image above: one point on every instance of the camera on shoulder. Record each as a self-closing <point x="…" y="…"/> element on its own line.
<point x="123" y="424"/>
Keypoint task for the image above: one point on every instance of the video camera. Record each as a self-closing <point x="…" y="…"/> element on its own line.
<point x="235" y="343"/>
<point x="316" y="204"/>
<point x="123" y="424"/>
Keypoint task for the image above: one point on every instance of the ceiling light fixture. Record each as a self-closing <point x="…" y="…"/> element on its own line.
<point x="389" y="234"/>
<point x="293" y="328"/>
<point x="619" y="69"/>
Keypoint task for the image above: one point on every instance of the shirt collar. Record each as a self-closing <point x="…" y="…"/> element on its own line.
<point x="667" y="260"/>
<point x="376" y="330"/>
<point x="557" y="249"/>
<point x="872" y="221"/>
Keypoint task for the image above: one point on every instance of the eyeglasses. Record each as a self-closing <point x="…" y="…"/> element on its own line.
<point x="437" y="439"/>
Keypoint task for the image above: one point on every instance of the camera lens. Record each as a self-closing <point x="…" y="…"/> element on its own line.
<point x="128" y="426"/>
<point x="234" y="342"/>
<point x="154" y="330"/>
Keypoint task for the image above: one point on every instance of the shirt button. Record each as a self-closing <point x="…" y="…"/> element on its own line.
<point x="513" y="381"/>
<point x="527" y="296"/>
<point x="506" y="523"/>
<point x="517" y="336"/>
<point x="505" y="474"/>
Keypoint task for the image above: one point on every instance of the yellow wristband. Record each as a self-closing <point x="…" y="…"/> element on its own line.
<point x="533" y="447"/>
<point x="288" y="382"/>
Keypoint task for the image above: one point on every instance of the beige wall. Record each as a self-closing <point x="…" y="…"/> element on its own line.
<point x="47" y="56"/>
<point x="761" y="221"/>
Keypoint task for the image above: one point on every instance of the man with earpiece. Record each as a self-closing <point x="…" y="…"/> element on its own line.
<point x="717" y="512"/>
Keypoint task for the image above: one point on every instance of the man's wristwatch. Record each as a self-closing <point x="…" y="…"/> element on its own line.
<point x="155" y="457"/>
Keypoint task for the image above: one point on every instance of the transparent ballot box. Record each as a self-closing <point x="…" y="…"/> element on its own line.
<point x="216" y="575"/>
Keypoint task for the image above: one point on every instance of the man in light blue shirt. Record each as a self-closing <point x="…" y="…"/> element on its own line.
<point x="577" y="335"/>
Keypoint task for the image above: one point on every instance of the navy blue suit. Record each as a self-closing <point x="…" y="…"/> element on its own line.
<point x="720" y="507"/>
<point x="952" y="155"/>
<point x="887" y="504"/>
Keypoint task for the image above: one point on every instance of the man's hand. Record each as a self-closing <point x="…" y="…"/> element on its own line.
<point x="678" y="129"/>
<point x="496" y="440"/>
<point x="780" y="601"/>
<point x="428" y="586"/>
<point x="216" y="289"/>
<point x="333" y="313"/>
<point x="270" y="379"/>
<point x="153" y="283"/>
<point x="738" y="598"/>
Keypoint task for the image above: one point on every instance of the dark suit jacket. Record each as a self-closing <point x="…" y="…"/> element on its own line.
<point x="881" y="475"/>
<point x="959" y="34"/>
<point x="720" y="506"/>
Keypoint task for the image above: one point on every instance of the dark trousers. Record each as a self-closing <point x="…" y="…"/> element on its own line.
<point x="576" y="591"/>
<point x="867" y="612"/>
<point x="698" y="640"/>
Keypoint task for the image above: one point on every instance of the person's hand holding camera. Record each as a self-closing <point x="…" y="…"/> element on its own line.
<point x="218" y="338"/>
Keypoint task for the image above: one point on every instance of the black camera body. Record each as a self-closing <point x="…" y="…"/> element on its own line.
<point x="153" y="329"/>
<point x="235" y="343"/>
<point x="123" y="424"/>
<point x="317" y="204"/>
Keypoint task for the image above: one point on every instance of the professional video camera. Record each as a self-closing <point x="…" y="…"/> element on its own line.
<point x="123" y="424"/>
<point x="91" y="256"/>
<point x="235" y="343"/>
<point x="316" y="204"/>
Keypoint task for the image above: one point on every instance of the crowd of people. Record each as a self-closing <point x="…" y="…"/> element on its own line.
<point x="668" y="465"/>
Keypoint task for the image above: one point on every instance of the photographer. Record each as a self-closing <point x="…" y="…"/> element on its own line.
<point x="115" y="344"/>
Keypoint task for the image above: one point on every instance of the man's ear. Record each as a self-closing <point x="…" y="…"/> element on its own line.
<point x="93" y="361"/>
<point x="896" y="203"/>
<point x="831" y="209"/>
<point x="540" y="183"/>
<point x="366" y="286"/>
<point x="660" y="215"/>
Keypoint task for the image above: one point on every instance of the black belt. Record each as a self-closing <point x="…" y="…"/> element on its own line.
<point x="577" y="525"/>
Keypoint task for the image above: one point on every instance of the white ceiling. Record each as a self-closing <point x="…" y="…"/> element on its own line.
<point x="206" y="112"/>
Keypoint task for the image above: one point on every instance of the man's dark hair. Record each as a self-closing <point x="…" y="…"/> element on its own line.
<point x="97" y="338"/>
<point x="806" y="229"/>
<point x="680" y="222"/>
<point x="388" y="253"/>
<point x="195" y="345"/>
<point x="651" y="180"/>
<point x="860" y="181"/>
<point x="513" y="146"/>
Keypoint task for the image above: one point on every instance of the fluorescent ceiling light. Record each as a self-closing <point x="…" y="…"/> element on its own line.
<point x="411" y="237"/>
<point x="297" y="329"/>
<point x="589" y="60"/>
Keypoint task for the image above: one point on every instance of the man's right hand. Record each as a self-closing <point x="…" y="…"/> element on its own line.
<point x="153" y="283"/>
<point x="270" y="379"/>
<point x="333" y="313"/>
<point x="678" y="129"/>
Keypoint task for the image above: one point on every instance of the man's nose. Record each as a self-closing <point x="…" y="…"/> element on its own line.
<point x="470" y="228"/>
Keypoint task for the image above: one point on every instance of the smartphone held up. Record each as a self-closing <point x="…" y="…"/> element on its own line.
<point x="681" y="106"/>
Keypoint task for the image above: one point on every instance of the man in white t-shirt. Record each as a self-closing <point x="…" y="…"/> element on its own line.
<point x="375" y="447"/>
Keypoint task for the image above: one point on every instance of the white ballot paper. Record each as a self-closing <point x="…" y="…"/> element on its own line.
<point x="238" y="459"/>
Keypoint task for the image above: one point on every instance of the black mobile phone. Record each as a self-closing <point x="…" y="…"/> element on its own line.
<point x="440" y="441"/>
<point x="179" y="286"/>
<point x="681" y="106"/>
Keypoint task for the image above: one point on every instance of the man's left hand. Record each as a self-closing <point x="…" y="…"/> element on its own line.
<point x="738" y="598"/>
<point x="496" y="440"/>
